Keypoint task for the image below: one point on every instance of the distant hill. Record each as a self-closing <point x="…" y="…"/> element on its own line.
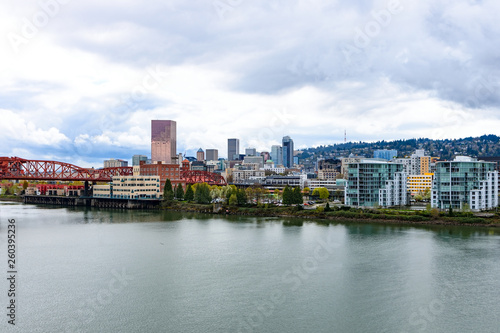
<point x="486" y="145"/>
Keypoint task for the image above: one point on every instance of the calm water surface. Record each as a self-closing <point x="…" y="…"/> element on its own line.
<point x="135" y="271"/>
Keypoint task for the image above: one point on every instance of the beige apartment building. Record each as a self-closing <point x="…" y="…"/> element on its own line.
<point x="130" y="187"/>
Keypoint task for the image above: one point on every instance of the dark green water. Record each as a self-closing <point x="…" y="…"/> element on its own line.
<point x="128" y="271"/>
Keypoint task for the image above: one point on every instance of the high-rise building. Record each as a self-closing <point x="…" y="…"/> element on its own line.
<point x="112" y="163"/>
<point x="200" y="155"/>
<point x="136" y="159"/>
<point x="374" y="182"/>
<point x="163" y="140"/>
<point x="495" y="159"/>
<point x="425" y="165"/>
<point x="348" y="160"/>
<point x="251" y="152"/>
<point x="277" y="155"/>
<point x="287" y="152"/>
<point x="465" y="181"/>
<point x="266" y="155"/>
<point x="417" y="164"/>
<point x="233" y="149"/>
<point x="212" y="155"/>
<point x="385" y="154"/>
<point x="254" y="160"/>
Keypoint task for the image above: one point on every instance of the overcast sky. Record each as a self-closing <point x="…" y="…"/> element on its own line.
<point x="81" y="80"/>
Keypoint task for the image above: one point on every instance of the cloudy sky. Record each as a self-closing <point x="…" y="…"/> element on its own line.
<point x="81" y="80"/>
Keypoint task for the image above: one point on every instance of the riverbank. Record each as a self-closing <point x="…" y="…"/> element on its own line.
<point x="336" y="214"/>
<point x="384" y="216"/>
<point x="14" y="198"/>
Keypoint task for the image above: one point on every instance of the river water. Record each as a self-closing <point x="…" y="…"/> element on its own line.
<point x="82" y="270"/>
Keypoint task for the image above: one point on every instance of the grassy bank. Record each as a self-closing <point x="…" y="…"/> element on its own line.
<point x="15" y="198"/>
<point x="346" y="213"/>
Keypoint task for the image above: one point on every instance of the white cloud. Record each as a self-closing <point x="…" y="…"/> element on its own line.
<point x="83" y="83"/>
<point x="15" y="128"/>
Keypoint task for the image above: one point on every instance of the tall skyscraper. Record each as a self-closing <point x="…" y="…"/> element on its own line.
<point x="163" y="140"/>
<point x="287" y="152"/>
<point x="200" y="155"/>
<point x="212" y="154"/>
<point x="251" y="152"/>
<point x="233" y="149"/>
<point x="276" y="155"/>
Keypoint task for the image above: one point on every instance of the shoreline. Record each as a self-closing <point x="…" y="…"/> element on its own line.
<point x="346" y="216"/>
<point x="324" y="217"/>
<point x="14" y="198"/>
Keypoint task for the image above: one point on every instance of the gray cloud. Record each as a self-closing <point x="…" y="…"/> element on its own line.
<point x="356" y="57"/>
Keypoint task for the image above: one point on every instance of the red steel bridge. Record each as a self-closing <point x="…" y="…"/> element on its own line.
<point x="16" y="168"/>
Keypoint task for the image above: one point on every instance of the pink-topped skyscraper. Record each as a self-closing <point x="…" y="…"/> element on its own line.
<point x="163" y="140"/>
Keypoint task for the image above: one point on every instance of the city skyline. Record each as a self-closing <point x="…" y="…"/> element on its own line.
<point x="82" y="81"/>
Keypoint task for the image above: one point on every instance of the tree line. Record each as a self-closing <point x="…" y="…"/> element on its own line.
<point x="203" y="193"/>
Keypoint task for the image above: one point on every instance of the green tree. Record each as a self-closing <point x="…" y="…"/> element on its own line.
<point x="216" y="192"/>
<point x="241" y="197"/>
<point x="227" y="191"/>
<point x="327" y="207"/>
<point x="250" y="192"/>
<point x="321" y="192"/>
<point x="202" y="194"/>
<point x="297" y="196"/>
<point x="179" y="192"/>
<point x="14" y="189"/>
<point x="189" y="196"/>
<point x="307" y="191"/>
<point x="287" y="196"/>
<point x="277" y="194"/>
<point x="233" y="200"/>
<point x="25" y="185"/>
<point x="255" y="192"/>
<point x="427" y="194"/>
<point x="168" y="192"/>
